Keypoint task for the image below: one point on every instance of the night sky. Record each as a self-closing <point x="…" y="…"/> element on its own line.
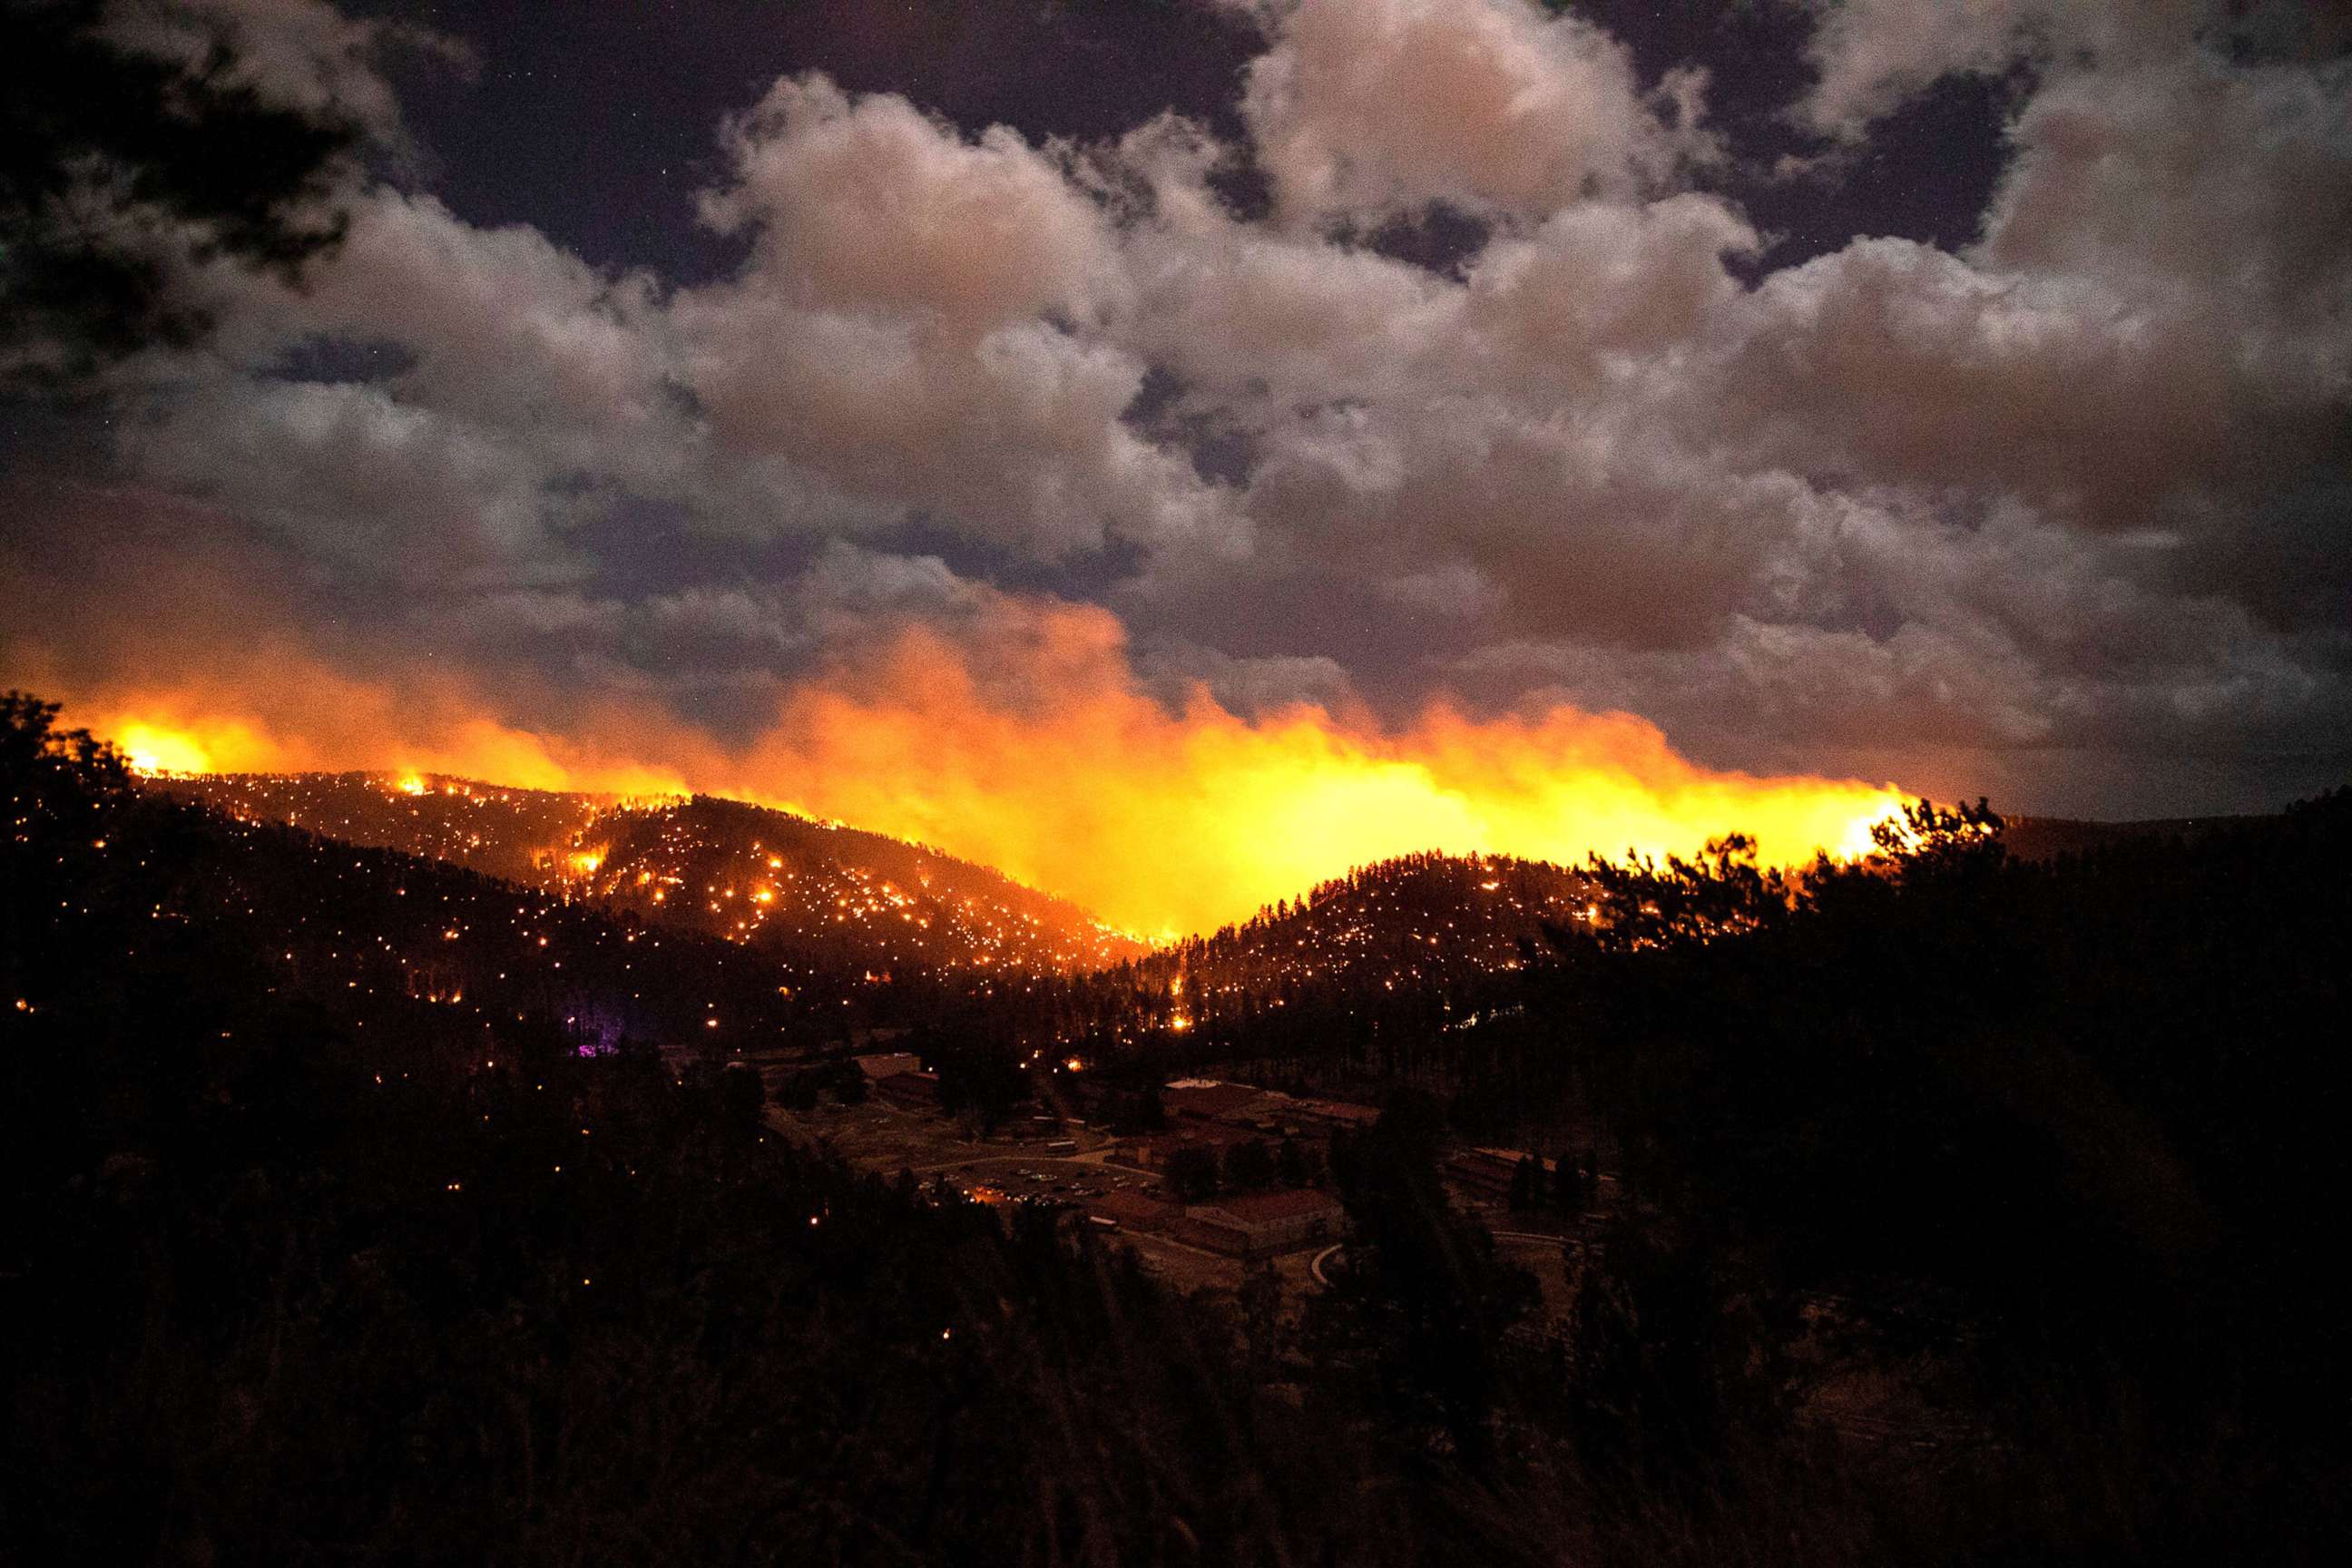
<point x="1954" y="396"/>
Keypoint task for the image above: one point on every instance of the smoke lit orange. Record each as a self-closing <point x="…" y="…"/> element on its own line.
<point x="1083" y="784"/>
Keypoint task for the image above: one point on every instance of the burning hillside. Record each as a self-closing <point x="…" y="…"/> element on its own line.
<point x="1030" y="742"/>
<point x="745" y="873"/>
<point x="1417" y="923"/>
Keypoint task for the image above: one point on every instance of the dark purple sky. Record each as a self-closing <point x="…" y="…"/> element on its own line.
<point x="599" y="130"/>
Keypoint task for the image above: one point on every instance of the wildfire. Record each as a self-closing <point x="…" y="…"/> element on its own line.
<point x="1180" y="821"/>
<point x="150" y="749"/>
<point x="1047" y="759"/>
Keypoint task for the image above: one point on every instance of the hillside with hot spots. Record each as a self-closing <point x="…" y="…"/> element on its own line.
<point x="746" y="873"/>
<point x="511" y="832"/>
<point x="751" y="874"/>
<point x="1418" y="921"/>
<point x="1386" y="959"/>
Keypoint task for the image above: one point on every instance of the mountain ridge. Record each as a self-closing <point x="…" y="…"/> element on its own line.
<point x="747" y="872"/>
<point x="759" y="874"/>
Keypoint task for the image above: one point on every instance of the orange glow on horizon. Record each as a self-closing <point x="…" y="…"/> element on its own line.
<point x="150" y="750"/>
<point x="1081" y="783"/>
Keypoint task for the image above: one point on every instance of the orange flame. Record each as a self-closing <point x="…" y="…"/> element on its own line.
<point x="1071" y="777"/>
<point x="150" y="749"/>
<point x="1166" y="823"/>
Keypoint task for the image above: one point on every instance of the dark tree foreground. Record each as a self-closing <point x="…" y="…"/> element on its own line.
<point x="2056" y="1142"/>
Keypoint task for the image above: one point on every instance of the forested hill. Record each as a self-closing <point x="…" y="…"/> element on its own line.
<point x="509" y="833"/>
<point x="386" y="933"/>
<point x="756" y="875"/>
<point x="1368" y="969"/>
<point x="1418" y="920"/>
<point x="788" y="884"/>
<point x="2047" y="837"/>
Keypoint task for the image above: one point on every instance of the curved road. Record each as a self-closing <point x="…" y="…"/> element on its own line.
<point x="1329" y="1253"/>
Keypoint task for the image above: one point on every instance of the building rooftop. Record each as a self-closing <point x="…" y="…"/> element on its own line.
<point x="1132" y="1208"/>
<point x="1336" y="1110"/>
<point x="890" y="1064"/>
<point x="1209" y="1101"/>
<point x="1261" y="1208"/>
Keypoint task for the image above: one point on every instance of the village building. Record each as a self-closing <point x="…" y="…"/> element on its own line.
<point x="879" y="1065"/>
<point x="1261" y="1224"/>
<point x="1151" y="1151"/>
<point x="1133" y="1211"/>
<point x="1328" y="1116"/>
<point x="917" y="1090"/>
<point x="1202" y="1099"/>
<point x="1490" y="1170"/>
